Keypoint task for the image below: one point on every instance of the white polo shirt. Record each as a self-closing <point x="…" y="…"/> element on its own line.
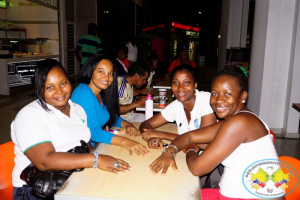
<point x="175" y="112"/>
<point x="132" y="52"/>
<point x="149" y="81"/>
<point x="33" y="125"/>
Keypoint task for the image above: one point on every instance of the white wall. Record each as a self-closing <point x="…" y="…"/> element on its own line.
<point x="39" y="21"/>
<point x="272" y="61"/>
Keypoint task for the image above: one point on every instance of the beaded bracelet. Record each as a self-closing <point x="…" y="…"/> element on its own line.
<point x="190" y="150"/>
<point x="95" y="163"/>
<point x="170" y="145"/>
<point x="184" y="150"/>
<point x="170" y="153"/>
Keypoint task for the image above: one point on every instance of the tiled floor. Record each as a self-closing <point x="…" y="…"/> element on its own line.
<point x="10" y="105"/>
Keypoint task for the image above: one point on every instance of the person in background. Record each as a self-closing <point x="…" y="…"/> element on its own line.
<point x="157" y="45"/>
<point x="153" y="62"/>
<point x="191" y="109"/>
<point x="97" y="93"/>
<point x="121" y="62"/>
<point x="45" y="129"/>
<point x="183" y="58"/>
<point x="137" y="76"/>
<point x="237" y="141"/>
<point x="88" y="45"/>
<point x="132" y="50"/>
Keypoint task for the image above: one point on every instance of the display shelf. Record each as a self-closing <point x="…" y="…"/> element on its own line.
<point x="14" y="30"/>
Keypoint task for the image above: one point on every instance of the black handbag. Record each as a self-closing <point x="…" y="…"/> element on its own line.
<point x="46" y="183"/>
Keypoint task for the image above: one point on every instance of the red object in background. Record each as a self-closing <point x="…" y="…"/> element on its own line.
<point x="175" y="25"/>
<point x="6" y="167"/>
<point x="185" y="27"/>
<point x="152" y="28"/>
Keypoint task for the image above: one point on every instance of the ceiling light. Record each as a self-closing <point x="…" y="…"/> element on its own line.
<point x="199" y="13"/>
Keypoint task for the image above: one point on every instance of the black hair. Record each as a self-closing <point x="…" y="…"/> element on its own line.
<point x="186" y="68"/>
<point x="109" y="96"/>
<point x="92" y="28"/>
<point x="149" y="63"/>
<point x="138" y="67"/>
<point x="234" y="69"/>
<point x="182" y="50"/>
<point x="153" y="57"/>
<point x="122" y="47"/>
<point x="41" y="72"/>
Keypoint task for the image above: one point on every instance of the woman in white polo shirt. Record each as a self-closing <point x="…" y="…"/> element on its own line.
<point x="191" y="110"/>
<point x="44" y="130"/>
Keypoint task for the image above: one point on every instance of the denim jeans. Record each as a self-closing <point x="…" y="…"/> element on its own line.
<point x="23" y="193"/>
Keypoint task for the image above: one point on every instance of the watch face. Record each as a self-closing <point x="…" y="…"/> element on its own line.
<point x="197" y="123"/>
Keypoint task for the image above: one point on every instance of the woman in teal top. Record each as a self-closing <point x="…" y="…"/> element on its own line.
<point x="97" y="93"/>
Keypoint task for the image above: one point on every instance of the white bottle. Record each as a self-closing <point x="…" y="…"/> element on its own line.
<point x="148" y="107"/>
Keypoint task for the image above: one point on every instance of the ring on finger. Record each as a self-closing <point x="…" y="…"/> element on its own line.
<point x="116" y="164"/>
<point x="155" y="142"/>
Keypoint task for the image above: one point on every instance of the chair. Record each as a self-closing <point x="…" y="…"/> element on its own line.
<point x="293" y="184"/>
<point x="210" y="194"/>
<point x="6" y="167"/>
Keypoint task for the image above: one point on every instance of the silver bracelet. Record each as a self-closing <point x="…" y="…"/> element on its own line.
<point x="95" y="163"/>
<point x="190" y="150"/>
<point x="170" y="153"/>
<point x="170" y="145"/>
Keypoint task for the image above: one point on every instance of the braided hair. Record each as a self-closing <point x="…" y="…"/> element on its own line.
<point x="235" y="70"/>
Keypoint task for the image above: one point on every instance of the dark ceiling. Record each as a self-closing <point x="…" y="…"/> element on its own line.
<point x="183" y="11"/>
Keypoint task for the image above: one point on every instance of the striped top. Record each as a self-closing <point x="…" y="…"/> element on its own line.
<point x="125" y="93"/>
<point x="90" y="45"/>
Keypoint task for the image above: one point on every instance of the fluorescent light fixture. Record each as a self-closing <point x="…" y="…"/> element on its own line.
<point x="13" y="41"/>
<point x="106" y="11"/>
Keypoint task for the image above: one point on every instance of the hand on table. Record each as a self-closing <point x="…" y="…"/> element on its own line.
<point x="155" y="143"/>
<point x="133" y="146"/>
<point x="163" y="162"/>
<point x="150" y="133"/>
<point x="106" y="163"/>
<point x="132" y="131"/>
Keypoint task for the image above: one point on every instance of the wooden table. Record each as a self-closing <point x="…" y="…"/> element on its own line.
<point x="138" y="184"/>
<point x="162" y="85"/>
<point x="296" y="106"/>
